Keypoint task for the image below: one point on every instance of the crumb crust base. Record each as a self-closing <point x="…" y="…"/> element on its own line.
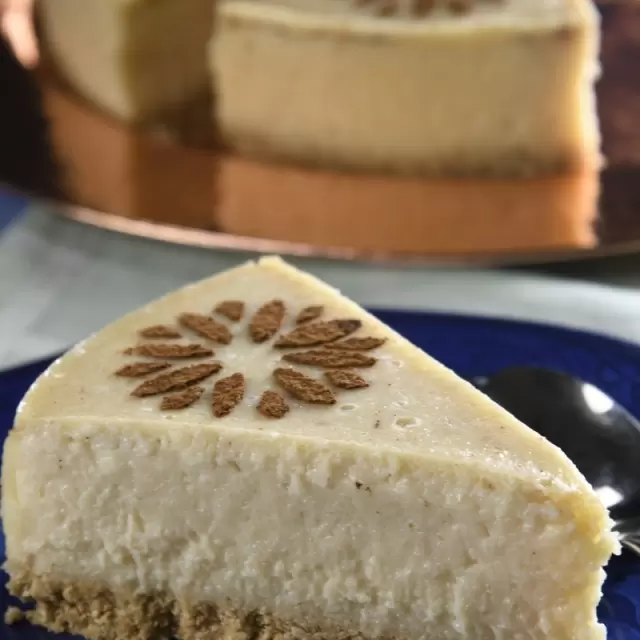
<point x="99" y="613"/>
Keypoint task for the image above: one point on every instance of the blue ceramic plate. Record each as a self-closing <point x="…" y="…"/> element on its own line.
<point x="474" y="347"/>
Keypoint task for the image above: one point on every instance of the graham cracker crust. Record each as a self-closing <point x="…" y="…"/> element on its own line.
<point x="99" y="613"/>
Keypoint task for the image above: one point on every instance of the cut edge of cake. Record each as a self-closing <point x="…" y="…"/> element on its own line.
<point x="380" y="67"/>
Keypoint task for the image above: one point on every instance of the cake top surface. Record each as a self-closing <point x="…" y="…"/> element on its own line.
<point x="457" y="13"/>
<point x="269" y="350"/>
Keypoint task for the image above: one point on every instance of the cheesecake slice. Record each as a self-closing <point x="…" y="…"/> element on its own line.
<point x="255" y="456"/>
<point x="139" y="60"/>
<point x="429" y="87"/>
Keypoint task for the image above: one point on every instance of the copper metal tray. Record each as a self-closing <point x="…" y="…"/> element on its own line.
<point x="55" y="145"/>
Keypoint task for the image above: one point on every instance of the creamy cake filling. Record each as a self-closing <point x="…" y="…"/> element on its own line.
<point x="341" y="536"/>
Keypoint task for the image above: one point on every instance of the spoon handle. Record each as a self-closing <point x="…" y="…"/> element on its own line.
<point x="629" y="532"/>
<point x="632" y="543"/>
<point x="628" y="528"/>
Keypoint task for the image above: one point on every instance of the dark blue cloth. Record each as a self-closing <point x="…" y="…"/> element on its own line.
<point x="11" y="206"/>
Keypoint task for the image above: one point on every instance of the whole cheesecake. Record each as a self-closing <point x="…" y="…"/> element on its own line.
<point x="425" y="87"/>
<point x="255" y="456"/>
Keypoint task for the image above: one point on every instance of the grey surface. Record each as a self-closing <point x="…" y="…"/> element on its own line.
<point x="61" y="280"/>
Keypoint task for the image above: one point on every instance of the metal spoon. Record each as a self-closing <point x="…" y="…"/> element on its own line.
<point x="596" y="433"/>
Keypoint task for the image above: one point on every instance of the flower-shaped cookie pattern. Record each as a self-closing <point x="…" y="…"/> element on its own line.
<point x="324" y="344"/>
